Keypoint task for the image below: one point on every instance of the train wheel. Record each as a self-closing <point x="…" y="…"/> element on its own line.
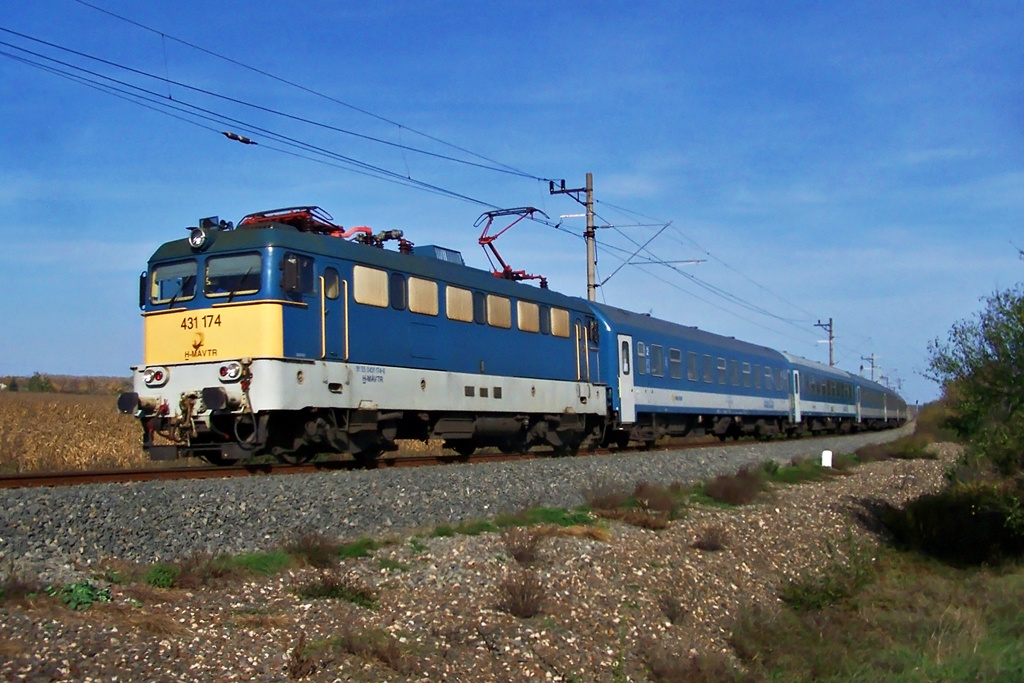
<point x="464" y="447"/>
<point x="513" y="445"/>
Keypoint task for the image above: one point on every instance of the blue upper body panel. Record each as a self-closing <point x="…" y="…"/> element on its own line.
<point x="386" y="335"/>
<point x="681" y="362"/>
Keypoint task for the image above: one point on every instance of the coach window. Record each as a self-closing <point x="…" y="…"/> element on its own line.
<point x="734" y="372"/>
<point x="769" y="376"/>
<point x="641" y="358"/>
<point x="240" y="274"/>
<point x="332" y="283"/>
<point x="458" y="304"/>
<point x="625" y="358"/>
<point x="757" y="376"/>
<point x="708" y="365"/>
<point x="398" y="291"/>
<point x="173" y="282"/>
<point x="422" y="296"/>
<point x="499" y="311"/>
<point x="560" y="322"/>
<point x="746" y="375"/>
<point x="528" y="316"/>
<point x="657" y="360"/>
<point x="721" y="371"/>
<point x="691" y="366"/>
<point x="675" y="363"/>
<point x="370" y="286"/>
<point x="544" y="319"/>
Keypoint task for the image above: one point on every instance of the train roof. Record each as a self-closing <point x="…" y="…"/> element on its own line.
<point x="640" y="321"/>
<point x="429" y="261"/>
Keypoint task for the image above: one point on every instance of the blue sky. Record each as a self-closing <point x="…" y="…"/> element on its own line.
<point x="859" y="161"/>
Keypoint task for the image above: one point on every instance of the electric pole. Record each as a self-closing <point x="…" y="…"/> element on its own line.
<point x="831" y="340"/>
<point x="589" y="235"/>
<point x="871" y="359"/>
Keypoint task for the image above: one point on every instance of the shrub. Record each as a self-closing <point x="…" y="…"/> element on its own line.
<point x="735" y="489"/>
<point x="653" y="497"/>
<point x="672" y="667"/>
<point x="331" y="586"/>
<point x="521" y="594"/>
<point x="672" y="608"/>
<point x="711" y="538"/>
<point x="315" y="548"/>
<point x="302" y="661"/>
<point x="200" y="569"/>
<point x="966" y="524"/>
<point x="606" y="495"/>
<point x="374" y="644"/>
<point x="80" y="595"/>
<point x="643" y="519"/>
<point x="162" y="575"/>
<point x="841" y="579"/>
<point x="14" y="586"/>
<point x="521" y="544"/>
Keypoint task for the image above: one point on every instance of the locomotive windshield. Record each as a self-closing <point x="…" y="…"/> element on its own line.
<point x="173" y="282"/>
<point x="232" y="275"/>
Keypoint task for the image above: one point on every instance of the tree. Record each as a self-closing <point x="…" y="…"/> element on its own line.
<point x="981" y="370"/>
<point x="38" y="382"/>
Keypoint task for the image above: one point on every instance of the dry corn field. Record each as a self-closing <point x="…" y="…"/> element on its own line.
<point x="49" y="432"/>
<point x="52" y="432"/>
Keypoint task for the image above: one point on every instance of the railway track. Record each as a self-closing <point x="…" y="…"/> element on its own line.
<point x="165" y="473"/>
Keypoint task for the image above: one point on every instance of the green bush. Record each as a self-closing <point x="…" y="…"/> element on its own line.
<point x="80" y="595"/>
<point x="966" y="524"/>
<point x="162" y="575"/>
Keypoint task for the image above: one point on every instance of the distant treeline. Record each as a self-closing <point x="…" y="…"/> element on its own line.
<point x="66" y="384"/>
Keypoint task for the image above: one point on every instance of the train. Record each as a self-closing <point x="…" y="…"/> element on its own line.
<point x="290" y="336"/>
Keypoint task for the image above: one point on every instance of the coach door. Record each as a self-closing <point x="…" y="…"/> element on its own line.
<point x="857" y="397"/>
<point x="627" y="399"/>
<point x="795" y="402"/>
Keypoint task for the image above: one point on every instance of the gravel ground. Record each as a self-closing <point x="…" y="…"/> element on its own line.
<point x="604" y="602"/>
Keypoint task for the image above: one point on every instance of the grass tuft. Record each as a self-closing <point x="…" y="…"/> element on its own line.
<point x="521" y="594"/>
<point x="332" y="586"/>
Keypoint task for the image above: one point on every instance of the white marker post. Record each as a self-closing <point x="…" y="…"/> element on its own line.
<point x="826" y="458"/>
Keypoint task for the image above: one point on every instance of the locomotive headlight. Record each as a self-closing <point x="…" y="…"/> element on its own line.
<point x="155" y="377"/>
<point x="230" y="372"/>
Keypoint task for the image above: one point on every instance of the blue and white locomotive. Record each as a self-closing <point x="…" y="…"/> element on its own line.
<point x="290" y="336"/>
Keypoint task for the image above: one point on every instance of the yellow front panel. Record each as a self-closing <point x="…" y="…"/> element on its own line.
<point x="254" y="330"/>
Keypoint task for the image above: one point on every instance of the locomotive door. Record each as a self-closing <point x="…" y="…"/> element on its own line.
<point x="332" y="320"/>
<point x="627" y="399"/>
<point x="795" y="401"/>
